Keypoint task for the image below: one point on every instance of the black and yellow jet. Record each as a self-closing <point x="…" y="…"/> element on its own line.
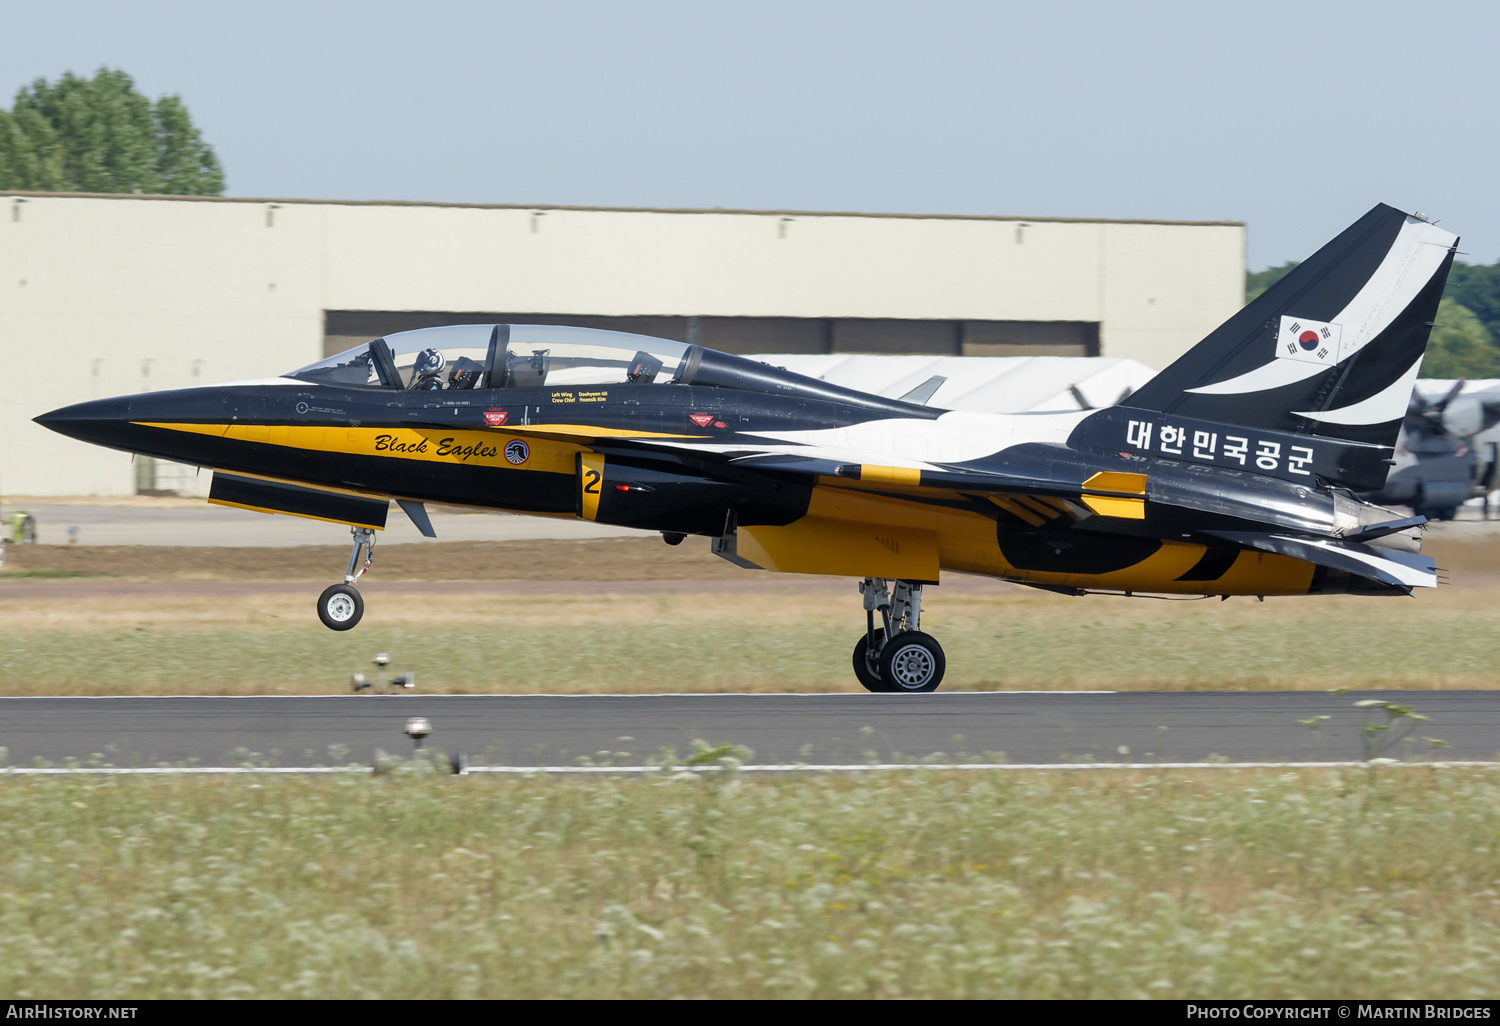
<point x="1233" y="472"/>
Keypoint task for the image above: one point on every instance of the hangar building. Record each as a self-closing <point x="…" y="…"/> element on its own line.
<point x="105" y="294"/>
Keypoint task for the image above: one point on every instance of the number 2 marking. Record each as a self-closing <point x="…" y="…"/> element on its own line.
<point x="590" y="478"/>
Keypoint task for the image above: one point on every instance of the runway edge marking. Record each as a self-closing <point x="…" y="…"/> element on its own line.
<point x="43" y="771"/>
<point x="644" y="694"/>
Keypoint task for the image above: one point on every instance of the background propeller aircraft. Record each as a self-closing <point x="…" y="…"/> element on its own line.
<point x="1233" y="472"/>
<point x="1440" y="461"/>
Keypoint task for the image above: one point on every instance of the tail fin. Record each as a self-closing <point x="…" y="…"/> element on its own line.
<point x="1319" y="368"/>
<point x="1332" y="349"/>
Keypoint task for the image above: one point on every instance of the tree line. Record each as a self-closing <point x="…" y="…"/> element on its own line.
<point x="101" y="135"/>
<point x="1462" y="344"/>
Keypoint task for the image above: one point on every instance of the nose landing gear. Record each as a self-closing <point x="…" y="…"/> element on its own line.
<point x="341" y="606"/>
<point x="896" y="656"/>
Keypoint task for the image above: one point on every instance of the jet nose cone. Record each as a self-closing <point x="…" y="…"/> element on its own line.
<point x="168" y="425"/>
<point x="87" y="420"/>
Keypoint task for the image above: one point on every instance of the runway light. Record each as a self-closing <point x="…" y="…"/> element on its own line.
<point x="380" y="661"/>
<point x="381" y="684"/>
<point x="417" y="728"/>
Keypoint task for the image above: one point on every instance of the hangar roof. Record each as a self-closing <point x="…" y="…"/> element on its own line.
<point x="618" y="210"/>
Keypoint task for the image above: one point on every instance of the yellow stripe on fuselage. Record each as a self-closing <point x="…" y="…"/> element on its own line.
<point x="463" y="446"/>
<point x="263" y="432"/>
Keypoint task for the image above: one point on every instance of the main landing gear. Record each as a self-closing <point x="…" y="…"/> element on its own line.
<point x="340" y="606"/>
<point x="896" y="656"/>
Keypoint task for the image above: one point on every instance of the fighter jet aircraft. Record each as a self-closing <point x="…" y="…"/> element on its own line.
<point x="1232" y="472"/>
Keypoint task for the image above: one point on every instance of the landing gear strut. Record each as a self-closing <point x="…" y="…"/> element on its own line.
<point x="341" y="606"/>
<point x="896" y="656"/>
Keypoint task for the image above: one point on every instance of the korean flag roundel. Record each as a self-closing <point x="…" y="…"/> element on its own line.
<point x="1308" y="341"/>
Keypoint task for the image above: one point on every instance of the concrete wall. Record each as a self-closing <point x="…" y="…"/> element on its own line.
<point x="106" y="295"/>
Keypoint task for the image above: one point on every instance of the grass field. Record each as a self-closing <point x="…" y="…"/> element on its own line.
<point x="1221" y="883"/>
<point x="709" y="643"/>
<point x="168" y="639"/>
<point x="1379" y="883"/>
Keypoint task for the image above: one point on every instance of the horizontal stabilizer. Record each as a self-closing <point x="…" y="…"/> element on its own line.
<point x="1383" y="530"/>
<point x="1404" y="570"/>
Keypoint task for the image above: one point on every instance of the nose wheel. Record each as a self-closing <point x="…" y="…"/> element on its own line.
<point x="896" y="656"/>
<point x="341" y="606"/>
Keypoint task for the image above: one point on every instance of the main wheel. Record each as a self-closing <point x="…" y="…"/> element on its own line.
<point x="340" y="607"/>
<point x="866" y="666"/>
<point x="912" y="661"/>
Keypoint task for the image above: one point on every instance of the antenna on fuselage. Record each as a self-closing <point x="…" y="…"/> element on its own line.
<point x="925" y="391"/>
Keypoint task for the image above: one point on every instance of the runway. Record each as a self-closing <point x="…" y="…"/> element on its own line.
<point x="852" y="729"/>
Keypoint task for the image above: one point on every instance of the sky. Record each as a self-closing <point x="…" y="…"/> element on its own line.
<point x="1295" y="117"/>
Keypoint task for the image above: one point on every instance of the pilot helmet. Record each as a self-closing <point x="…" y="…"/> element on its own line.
<point x="430" y="361"/>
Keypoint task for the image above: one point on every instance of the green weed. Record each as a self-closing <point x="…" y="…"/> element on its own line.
<point x="1219" y="883"/>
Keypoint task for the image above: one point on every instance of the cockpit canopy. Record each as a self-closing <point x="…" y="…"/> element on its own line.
<point x="467" y="356"/>
<point x="470" y="356"/>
